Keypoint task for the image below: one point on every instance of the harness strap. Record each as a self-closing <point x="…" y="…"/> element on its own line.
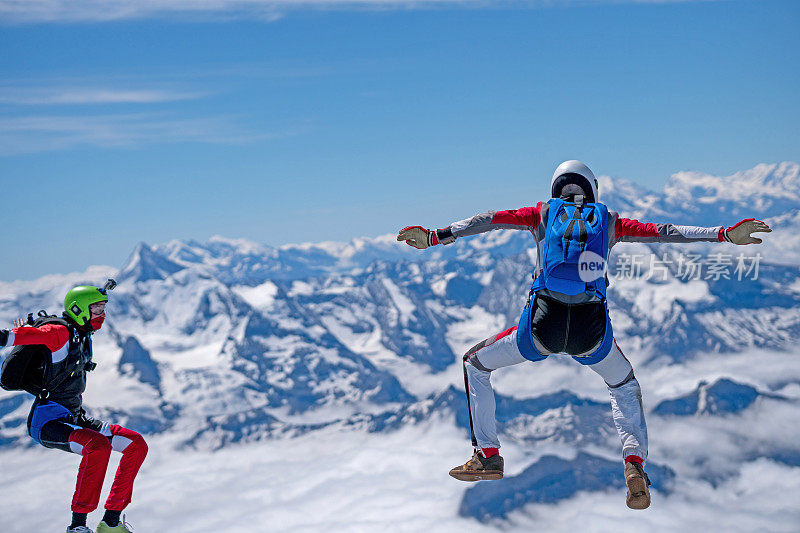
<point x="73" y="364"/>
<point x="577" y="216"/>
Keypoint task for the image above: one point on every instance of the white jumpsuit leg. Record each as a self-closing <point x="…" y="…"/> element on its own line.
<point x="626" y="402"/>
<point x="493" y="353"/>
<point x="501" y="351"/>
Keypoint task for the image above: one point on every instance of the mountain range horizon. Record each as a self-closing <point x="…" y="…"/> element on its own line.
<point x="229" y="346"/>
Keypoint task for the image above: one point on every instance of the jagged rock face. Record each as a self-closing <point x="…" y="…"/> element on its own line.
<point x="136" y="361"/>
<point x="230" y="342"/>
<point x="306" y="367"/>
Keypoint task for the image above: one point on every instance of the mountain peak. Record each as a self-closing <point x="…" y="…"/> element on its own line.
<point x="764" y="191"/>
<point x="241" y="246"/>
<point x="778" y="180"/>
<point x="146" y="264"/>
<point x="723" y="396"/>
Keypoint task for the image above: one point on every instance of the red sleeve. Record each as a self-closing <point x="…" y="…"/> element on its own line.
<point x="526" y="216"/>
<point x="628" y="227"/>
<point x="54" y="336"/>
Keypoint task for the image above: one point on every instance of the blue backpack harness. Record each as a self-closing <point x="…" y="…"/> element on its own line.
<point x="574" y="255"/>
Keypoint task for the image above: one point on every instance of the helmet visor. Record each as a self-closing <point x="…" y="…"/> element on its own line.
<point x="98" y="309"/>
<point x="571" y="178"/>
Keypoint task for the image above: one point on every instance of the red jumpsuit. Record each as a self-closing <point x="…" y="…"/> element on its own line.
<point x="60" y="422"/>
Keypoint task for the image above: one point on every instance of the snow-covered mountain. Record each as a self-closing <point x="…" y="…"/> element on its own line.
<point x="232" y="345"/>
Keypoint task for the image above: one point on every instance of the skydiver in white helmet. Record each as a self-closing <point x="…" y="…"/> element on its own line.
<point x="567" y="311"/>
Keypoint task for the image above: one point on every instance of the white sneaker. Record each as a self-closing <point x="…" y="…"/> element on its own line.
<point x="79" y="529"/>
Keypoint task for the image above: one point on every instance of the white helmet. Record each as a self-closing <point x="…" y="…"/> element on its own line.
<point x="576" y="171"/>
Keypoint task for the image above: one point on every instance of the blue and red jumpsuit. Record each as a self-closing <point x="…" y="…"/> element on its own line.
<point x="574" y="325"/>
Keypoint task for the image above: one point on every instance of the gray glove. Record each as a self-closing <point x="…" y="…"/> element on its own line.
<point x="418" y="237"/>
<point x="740" y="233"/>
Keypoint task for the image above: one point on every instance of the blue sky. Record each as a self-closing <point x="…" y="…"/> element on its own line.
<point x="302" y="123"/>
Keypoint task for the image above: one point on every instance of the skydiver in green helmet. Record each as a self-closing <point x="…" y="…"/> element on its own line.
<point x="51" y="360"/>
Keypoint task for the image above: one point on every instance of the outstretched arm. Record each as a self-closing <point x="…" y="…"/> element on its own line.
<point x="526" y="218"/>
<point x="54" y="336"/>
<point x="629" y="230"/>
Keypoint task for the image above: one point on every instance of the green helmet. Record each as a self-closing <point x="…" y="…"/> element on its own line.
<point x="78" y="300"/>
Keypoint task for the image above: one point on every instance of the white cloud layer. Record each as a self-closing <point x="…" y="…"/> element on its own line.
<point x="63" y="96"/>
<point x="32" y="134"/>
<point x="16" y="11"/>
<point x="378" y="478"/>
<point x="130" y="110"/>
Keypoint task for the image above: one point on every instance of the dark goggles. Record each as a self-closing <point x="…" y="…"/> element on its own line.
<point x="98" y="309"/>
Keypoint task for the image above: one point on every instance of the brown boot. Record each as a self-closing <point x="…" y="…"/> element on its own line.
<point x="637" y="481"/>
<point x="479" y="468"/>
